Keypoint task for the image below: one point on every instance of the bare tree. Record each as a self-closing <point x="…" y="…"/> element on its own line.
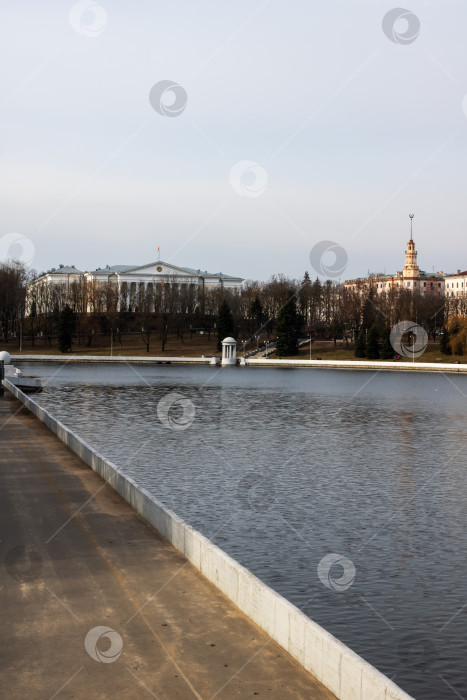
<point x="13" y="279"/>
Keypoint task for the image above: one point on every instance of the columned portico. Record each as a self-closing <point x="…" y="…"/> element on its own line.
<point x="152" y="286"/>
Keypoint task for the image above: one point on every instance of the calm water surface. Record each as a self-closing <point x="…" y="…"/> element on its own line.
<point x="281" y="467"/>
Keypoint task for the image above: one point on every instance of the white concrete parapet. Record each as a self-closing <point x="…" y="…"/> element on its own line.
<point x="336" y="666"/>
<point x="142" y="359"/>
<point x="255" y="362"/>
<point x="360" y="364"/>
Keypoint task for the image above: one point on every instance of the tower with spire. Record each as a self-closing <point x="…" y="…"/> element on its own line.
<point x="410" y="278"/>
<point x="411" y="270"/>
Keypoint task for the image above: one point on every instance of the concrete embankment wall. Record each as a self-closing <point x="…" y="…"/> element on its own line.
<point x="136" y="359"/>
<point x="400" y="366"/>
<point x="342" y="671"/>
<point x="361" y="364"/>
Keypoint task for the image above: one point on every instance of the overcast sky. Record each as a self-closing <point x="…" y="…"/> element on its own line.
<point x="302" y="122"/>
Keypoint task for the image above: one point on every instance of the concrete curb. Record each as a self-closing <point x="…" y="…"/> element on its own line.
<point x="336" y="666"/>
<point x="254" y="362"/>
<point x="137" y="359"/>
<point x="360" y="364"/>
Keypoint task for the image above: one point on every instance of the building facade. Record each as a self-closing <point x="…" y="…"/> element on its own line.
<point x="456" y="285"/>
<point x="410" y="277"/>
<point x="131" y="283"/>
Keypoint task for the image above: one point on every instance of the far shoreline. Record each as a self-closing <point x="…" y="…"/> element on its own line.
<point x="355" y="365"/>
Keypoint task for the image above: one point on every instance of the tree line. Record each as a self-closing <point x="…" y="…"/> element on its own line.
<point x="281" y="309"/>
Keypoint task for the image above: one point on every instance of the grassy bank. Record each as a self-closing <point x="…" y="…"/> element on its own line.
<point x="200" y="345"/>
<point x="325" y="350"/>
<point x="131" y="345"/>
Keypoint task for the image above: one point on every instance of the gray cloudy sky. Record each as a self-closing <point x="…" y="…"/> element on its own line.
<point x="350" y="132"/>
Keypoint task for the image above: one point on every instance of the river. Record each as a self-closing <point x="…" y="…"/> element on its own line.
<point x="283" y="467"/>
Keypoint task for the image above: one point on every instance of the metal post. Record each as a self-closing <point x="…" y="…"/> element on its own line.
<point x="2" y="377"/>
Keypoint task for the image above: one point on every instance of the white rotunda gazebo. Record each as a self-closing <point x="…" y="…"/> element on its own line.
<point x="229" y="351"/>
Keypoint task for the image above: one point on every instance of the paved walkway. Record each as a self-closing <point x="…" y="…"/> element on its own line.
<point x="75" y="557"/>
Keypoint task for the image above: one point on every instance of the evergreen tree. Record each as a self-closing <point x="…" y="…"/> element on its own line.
<point x="336" y="329"/>
<point x="369" y="311"/>
<point x="444" y="345"/>
<point x="224" y="323"/>
<point x="360" y="345"/>
<point x="304" y="296"/>
<point x="256" y="311"/>
<point x="386" y="350"/>
<point x="288" y="327"/>
<point x="66" y="327"/>
<point x="372" y="343"/>
<point x="316" y="303"/>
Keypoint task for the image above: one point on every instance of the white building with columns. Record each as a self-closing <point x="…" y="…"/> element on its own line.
<point x="131" y="281"/>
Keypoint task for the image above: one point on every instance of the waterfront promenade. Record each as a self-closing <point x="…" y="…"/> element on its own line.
<point x="92" y="561"/>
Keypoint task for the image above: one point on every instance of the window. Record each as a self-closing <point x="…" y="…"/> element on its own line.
<point x="408" y="284"/>
<point x="424" y="284"/>
<point x="439" y="284"/>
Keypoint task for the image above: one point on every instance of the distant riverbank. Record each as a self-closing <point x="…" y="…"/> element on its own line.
<point x="355" y="364"/>
<point x="201" y="345"/>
